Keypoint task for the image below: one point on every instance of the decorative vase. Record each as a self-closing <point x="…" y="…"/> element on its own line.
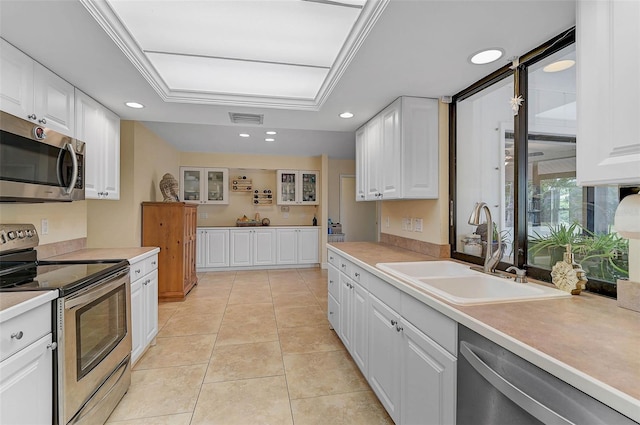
<point x="568" y="275"/>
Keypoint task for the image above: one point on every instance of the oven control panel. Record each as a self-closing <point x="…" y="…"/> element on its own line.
<point x="17" y="236"/>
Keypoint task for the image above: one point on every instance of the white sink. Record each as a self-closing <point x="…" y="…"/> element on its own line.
<point x="419" y="269"/>
<point x="460" y="285"/>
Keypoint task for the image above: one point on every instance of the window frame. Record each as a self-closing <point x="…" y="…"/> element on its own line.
<point x="519" y="72"/>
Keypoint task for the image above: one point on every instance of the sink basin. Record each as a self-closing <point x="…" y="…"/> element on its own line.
<point x="419" y="269"/>
<point x="460" y="285"/>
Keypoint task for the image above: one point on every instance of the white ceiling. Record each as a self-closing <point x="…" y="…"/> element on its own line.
<point x="416" y="47"/>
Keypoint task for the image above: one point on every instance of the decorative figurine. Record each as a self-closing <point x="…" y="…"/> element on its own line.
<point x="169" y="188"/>
<point x="568" y="275"/>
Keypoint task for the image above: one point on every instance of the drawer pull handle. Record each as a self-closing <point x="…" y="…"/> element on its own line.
<point x="153" y="263"/>
<point x="357" y="274"/>
<point x="394" y="322"/>
<point x="137" y="271"/>
<point x="17" y="335"/>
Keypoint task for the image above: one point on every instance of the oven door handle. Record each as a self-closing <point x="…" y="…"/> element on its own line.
<point x="74" y="174"/>
<point x="93" y="294"/>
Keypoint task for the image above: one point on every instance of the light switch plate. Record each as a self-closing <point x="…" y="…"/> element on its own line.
<point x="417" y="225"/>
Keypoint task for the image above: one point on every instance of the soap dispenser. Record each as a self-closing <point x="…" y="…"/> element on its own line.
<point x="568" y="275"/>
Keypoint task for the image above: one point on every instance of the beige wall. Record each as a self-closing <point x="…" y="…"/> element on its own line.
<point x="144" y="159"/>
<point x="434" y="213"/>
<point x="67" y="220"/>
<point x="337" y="167"/>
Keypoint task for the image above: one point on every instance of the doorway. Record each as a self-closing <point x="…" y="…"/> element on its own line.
<point x="358" y="219"/>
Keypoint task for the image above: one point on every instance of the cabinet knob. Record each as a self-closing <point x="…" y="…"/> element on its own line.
<point x="137" y="271"/>
<point x="153" y="263"/>
<point x="394" y="322"/>
<point x="106" y="194"/>
<point x="42" y="121"/>
<point x="399" y="328"/>
<point x="52" y="346"/>
<point x="331" y="312"/>
<point x="17" y="335"/>
<point x="357" y="274"/>
<point x="32" y="117"/>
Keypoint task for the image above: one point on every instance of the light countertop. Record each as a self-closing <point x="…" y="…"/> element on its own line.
<point x="88" y="254"/>
<point x="585" y="340"/>
<point x="13" y="304"/>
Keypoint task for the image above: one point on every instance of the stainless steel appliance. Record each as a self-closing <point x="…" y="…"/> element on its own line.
<point x="93" y="325"/>
<point x="38" y="164"/>
<point x="496" y="387"/>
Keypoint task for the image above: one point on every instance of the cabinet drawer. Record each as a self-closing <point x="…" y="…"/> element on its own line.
<point x="137" y="270"/>
<point x="432" y="323"/>
<point x="334" y="259"/>
<point x="388" y="294"/>
<point x="334" y="282"/>
<point x="24" y="329"/>
<point x="333" y="312"/>
<point x="358" y="274"/>
<point x="150" y="264"/>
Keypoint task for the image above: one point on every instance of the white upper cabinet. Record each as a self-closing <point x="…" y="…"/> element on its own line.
<point x="99" y="128"/>
<point x="297" y="187"/>
<point x="204" y="185"/>
<point x="32" y="92"/>
<point x="397" y="152"/>
<point x="608" y="92"/>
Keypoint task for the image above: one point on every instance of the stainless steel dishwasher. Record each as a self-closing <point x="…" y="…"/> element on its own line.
<point x="498" y="387"/>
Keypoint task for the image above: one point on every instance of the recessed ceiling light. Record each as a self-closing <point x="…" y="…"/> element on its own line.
<point x="269" y="139"/>
<point x="134" y="105"/>
<point x="559" y="65"/>
<point x="346" y="115"/>
<point x="271" y="133"/>
<point x="243" y="135"/>
<point x="486" y="56"/>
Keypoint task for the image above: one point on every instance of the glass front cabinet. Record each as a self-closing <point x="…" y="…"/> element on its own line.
<point x="204" y="185"/>
<point x="297" y="187"/>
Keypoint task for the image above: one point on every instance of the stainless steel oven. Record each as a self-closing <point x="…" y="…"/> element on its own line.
<point x="94" y="343"/>
<point x="38" y="164"/>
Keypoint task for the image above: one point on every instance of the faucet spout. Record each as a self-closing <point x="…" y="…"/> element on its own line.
<point x="491" y="258"/>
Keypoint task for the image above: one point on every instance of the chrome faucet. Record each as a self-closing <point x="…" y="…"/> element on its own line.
<point x="491" y="259"/>
<point x="521" y="274"/>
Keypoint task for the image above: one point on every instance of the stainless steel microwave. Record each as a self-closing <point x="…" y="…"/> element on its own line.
<point x="38" y="164"/>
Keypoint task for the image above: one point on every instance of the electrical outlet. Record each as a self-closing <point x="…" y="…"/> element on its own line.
<point x="285" y="215"/>
<point x="409" y="225"/>
<point x="44" y="227"/>
<point x="203" y="215"/>
<point x="404" y="223"/>
<point x="417" y="225"/>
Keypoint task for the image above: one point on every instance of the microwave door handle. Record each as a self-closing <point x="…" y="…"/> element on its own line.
<point x="74" y="174"/>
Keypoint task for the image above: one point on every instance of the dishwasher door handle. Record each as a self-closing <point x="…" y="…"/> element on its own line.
<point x="515" y="394"/>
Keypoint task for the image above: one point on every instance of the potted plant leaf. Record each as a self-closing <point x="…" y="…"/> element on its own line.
<point x="552" y="246"/>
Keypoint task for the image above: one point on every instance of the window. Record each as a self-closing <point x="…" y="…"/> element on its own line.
<point x="522" y="164"/>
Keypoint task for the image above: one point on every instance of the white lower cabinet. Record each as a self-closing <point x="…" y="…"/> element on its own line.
<point x="144" y="304"/>
<point x="405" y="348"/>
<point x="249" y="247"/>
<point x="297" y="245"/>
<point x="212" y="248"/>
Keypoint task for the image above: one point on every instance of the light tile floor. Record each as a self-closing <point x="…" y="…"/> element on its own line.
<point x="249" y="347"/>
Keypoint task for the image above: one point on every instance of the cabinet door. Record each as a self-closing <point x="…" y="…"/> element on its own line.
<point x="384" y="356"/>
<point x="308" y="189"/>
<point x="16" y="82"/>
<point x="137" y="319"/>
<point x="26" y="385"/>
<point x="287" y="246"/>
<point x="361" y="164"/>
<point x="360" y="320"/>
<point x="240" y="247"/>
<point x="150" y="307"/>
<point x="308" y="246"/>
<point x="608" y="92"/>
<point x="428" y="379"/>
<point x="191" y="184"/>
<point x="217" y="248"/>
<point x="89" y="128"/>
<point x="264" y="247"/>
<point x="54" y="101"/>
<point x="287" y="187"/>
<point x="374" y="159"/>
<point x="333" y="313"/>
<point x="201" y="248"/>
<point x="217" y="186"/>
<point x="346" y="308"/>
<point x="420" y="150"/>
<point x="391" y="151"/>
<point x="111" y="155"/>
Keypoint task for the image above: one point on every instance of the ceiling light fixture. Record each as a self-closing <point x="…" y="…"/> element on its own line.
<point x="271" y="133"/>
<point x="269" y="139"/>
<point x="243" y="135"/>
<point x="486" y="56"/>
<point x="559" y="65"/>
<point x="134" y="105"/>
<point x="346" y="115"/>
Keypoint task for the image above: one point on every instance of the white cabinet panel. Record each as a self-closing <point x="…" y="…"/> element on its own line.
<point x="264" y="247"/>
<point x="54" y="101"/>
<point x="391" y="153"/>
<point x="16" y="81"/>
<point x="297" y="246"/>
<point x="361" y="164"/>
<point x="144" y="304"/>
<point x="608" y="92"/>
<point x="287" y="246"/>
<point x="240" y="248"/>
<point x="308" y="245"/>
<point x="296" y="187"/>
<point x="216" y="248"/>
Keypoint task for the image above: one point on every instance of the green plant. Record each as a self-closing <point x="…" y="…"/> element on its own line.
<point x="605" y="254"/>
<point x="559" y="236"/>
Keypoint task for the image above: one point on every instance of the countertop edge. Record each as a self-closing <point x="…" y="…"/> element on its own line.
<point x="132" y="254"/>
<point x="33" y="299"/>
<point x="616" y="399"/>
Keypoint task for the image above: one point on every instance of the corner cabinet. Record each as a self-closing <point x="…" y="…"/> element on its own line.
<point x="143" y="274"/>
<point x="297" y="187"/>
<point x="204" y="185"/>
<point x="99" y="129"/>
<point x="212" y="250"/>
<point x="30" y="91"/>
<point x="608" y="88"/>
<point x="397" y="152"/>
<point x="172" y="227"/>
